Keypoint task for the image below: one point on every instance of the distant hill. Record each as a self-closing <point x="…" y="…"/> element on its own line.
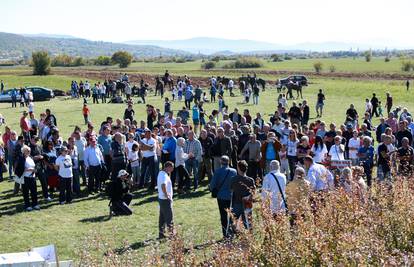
<point x="15" y="46"/>
<point x="207" y="45"/>
<point x="210" y="46"/>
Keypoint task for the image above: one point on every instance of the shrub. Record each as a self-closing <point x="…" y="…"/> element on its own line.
<point x="41" y="63"/>
<point x="103" y="61"/>
<point x="179" y="60"/>
<point x="407" y="65"/>
<point x="318" y="67"/>
<point x="122" y="58"/>
<point x="387" y="59"/>
<point x="276" y="58"/>
<point x="332" y="68"/>
<point x="67" y="61"/>
<point x="368" y="55"/>
<point x="216" y="59"/>
<point x="287" y="57"/>
<point x="208" y="65"/>
<point x="342" y="229"/>
<point x="244" y="63"/>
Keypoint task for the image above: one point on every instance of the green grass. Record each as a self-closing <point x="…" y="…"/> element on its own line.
<point x="68" y="226"/>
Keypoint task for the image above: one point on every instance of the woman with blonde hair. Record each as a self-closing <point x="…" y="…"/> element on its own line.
<point x="26" y="165"/>
<point x="180" y="171"/>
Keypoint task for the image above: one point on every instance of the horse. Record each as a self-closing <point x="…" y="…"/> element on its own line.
<point x="168" y="81"/>
<point x="294" y="86"/>
<point x="251" y="80"/>
<point x="223" y="80"/>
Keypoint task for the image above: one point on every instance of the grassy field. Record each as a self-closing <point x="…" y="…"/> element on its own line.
<point x="70" y="227"/>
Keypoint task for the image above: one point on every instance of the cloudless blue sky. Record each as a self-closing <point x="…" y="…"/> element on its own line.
<point x="388" y="23"/>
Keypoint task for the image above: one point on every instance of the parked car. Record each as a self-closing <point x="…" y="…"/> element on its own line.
<point x="39" y="94"/>
<point x="300" y="79"/>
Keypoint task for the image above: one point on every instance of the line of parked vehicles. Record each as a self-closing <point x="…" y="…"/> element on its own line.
<point x="39" y="94"/>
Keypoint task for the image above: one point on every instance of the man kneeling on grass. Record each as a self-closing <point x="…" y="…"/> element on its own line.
<point x="165" y="199"/>
<point x="119" y="194"/>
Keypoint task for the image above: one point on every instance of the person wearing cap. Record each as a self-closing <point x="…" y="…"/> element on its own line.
<point x="336" y="152"/>
<point x="63" y="165"/>
<point x="120" y="198"/>
<point x="221" y="184"/>
<point x="93" y="160"/>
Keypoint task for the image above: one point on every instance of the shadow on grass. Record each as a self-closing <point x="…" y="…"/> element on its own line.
<point x="97" y="219"/>
<point x="11" y="209"/>
<point x="137" y="245"/>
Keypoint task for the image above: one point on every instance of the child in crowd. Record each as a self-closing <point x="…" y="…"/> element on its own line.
<point x="174" y="92"/>
<point x="134" y="159"/>
<point x="85" y="112"/>
<point x="380" y="109"/>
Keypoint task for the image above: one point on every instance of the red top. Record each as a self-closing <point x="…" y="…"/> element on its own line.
<point x="24" y="124"/>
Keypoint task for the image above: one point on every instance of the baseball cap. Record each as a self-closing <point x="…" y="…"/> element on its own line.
<point x="122" y="173"/>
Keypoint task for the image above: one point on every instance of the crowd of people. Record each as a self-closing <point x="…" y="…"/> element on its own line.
<point x="285" y="156"/>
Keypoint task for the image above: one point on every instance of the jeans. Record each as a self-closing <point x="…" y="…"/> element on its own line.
<point x="65" y="189"/>
<point x="183" y="177"/>
<point x="223" y="206"/>
<point x="29" y="185"/>
<point x="116" y="167"/>
<point x="94" y="182"/>
<point x="205" y="168"/>
<point x="136" y="174"/>
<point x="121" y="207"/>
<point x="192" y="166"/>
<point x="238" y="211"/>
<point x="256" y="99"/>
<point x="293" y="160"/>
<point x="254" y="170"/>
<point x="11" y="164"/>
<point x="217" y="163"/>
<point x="166" y="216"/>
<point x="82" y="171"/>
<point x="43" y="182"/>
<point x="147" y="164"/>
<point x="76" y="181"/>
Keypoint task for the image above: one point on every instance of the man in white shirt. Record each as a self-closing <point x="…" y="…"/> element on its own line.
<point x="80" y="143"/>
<point x="148" y="148"/>
<point x="63" y="165"/>
<point x="93" y="160"/>
<point x="318" y="176"/>
<point x="165" y="199"/>
<point x="230" y="85"/>
<point x="273" y="189"/>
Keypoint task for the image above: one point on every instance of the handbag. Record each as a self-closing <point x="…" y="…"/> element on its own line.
<point x="280" y="191"/>
<point x="214" y="191"/>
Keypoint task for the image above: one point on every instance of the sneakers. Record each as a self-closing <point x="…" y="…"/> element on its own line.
<point x="36" y="207"/>
<point x="62" y="203"/>
<point x="48" y="199"/>
<point x="29" y="209"/>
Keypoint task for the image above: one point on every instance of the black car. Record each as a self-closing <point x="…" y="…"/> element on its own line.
<point x="300" y="79"/>
<point x="39" y="94"/>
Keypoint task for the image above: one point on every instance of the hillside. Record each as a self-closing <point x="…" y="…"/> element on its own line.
<point x="15" y="47"/>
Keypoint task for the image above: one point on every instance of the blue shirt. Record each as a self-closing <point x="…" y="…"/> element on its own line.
<point x="369" y="154"/>
<point x="196" y="113"/>
<point x="270" y="152"/>
<point x="170" y="145"/>
<point x="105" y="142"/>
<point x="221" y="181"/>
<point x="92" y="156"/>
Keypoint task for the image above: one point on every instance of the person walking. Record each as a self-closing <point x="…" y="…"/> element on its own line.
<point x="242" y="189"/>
<point x="407" y="84"/>
<point x="165" y="200"/>
<point x="273" y="189"/>
<point x="220" y="188"/>
<point x="320" y="103"/>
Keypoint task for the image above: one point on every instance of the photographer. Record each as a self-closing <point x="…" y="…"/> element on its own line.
<point x="120" y="198"/>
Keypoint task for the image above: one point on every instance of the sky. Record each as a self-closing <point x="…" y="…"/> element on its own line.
<point x="388" y="23"/>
